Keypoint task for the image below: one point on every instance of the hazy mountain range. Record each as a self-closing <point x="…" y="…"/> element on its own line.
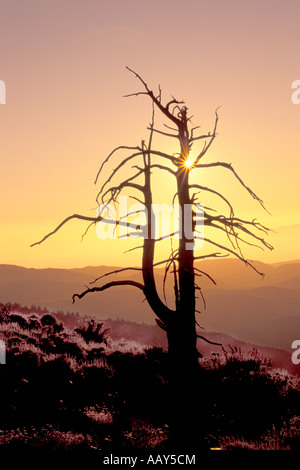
<point x="264" y="311"/>
<point x="152" y="335"/>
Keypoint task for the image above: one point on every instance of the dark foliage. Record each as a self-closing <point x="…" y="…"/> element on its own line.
<point x="92" y="330"/>
<point x="79" y="387"/>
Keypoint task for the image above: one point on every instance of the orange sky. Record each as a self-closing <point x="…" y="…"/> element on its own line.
<point x="63" y="63"/>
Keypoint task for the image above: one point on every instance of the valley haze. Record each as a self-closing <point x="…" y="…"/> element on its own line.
<point x="263" y="311"/>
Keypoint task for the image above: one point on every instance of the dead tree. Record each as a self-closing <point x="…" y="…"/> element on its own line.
<point x="179" y="322"/>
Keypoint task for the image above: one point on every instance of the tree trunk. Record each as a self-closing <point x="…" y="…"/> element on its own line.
<point x="183" y="355"/>
<point x="183" y="387"/>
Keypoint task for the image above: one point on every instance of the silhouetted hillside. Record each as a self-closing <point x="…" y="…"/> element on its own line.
<point x="80" y="388"/>
<point x="148" y="335"/>
<point x="243" y="304"/>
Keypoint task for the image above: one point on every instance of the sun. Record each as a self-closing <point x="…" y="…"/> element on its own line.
<point x="188" y="163"/>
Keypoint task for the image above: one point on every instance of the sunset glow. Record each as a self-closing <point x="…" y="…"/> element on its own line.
<point x="149" y="230"/>
<point x="63" y="115"/>
<point x="188" y="163"/>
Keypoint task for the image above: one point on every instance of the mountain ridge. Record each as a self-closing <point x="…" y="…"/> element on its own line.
<point x="243" y="306"/>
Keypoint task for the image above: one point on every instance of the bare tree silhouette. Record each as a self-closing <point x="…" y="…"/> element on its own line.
<point x="179" y="322"/>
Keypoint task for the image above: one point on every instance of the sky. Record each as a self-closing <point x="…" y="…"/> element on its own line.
<point x="64" y="66"/>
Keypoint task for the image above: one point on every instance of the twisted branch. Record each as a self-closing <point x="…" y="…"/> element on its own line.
<point x="107" y="286"/>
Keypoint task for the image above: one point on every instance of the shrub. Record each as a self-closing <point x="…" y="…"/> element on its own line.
<point x="33" y="323"/>
<point x="4" y="312"/>
<point x="67" y="377"/>
<point x="244" y="396"/>
<point x="93" y="330"/>
<point x="22" y="322"/>
<point x="48" y="320"/>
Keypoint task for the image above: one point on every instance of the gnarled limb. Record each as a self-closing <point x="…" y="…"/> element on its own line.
<point x="205" y="188"/>
<point x="117" y="169"/>
<point x="208" y="341"/>
<point x="116" y="190"/>
<point x="117" y="271"/>
<point x="160" y="309"/>
<point x="235" y="236"/>
<point x="161" y="167"/>
<point x="163" y="109"/>
<point x="231" y="223"/>
<point x="107" y="286"/>
<point x="142" y="152"/>
<point x="229" y="167"/>
<point x="206" y="147"/>
<point x="74" y="216"/>
<point x="86" y="218"/>
<point x="234" y="253"/>
<point x="164" y="133"/>
<point x="121" y="147"/>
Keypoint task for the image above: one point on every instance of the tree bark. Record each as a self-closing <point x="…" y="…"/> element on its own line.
<point x="181" y="331"/>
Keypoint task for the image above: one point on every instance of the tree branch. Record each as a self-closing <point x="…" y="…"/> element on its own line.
<point x="161" y="167"/>
<point x="74" y="216"/>
<point x="230" y="222"/>
<point x="208" y="341"/>
<point x="204" y="188"/>
<point x="164" y="133"/>
<point x="150" y="93"/>
<point x="111" y="153"/>
<point x="107" y="286"/>
<point x="117" y="271"/>
<point x="89" y="219"/>
<point x="229" y="167"/>
<point x="206" y="147"/>
<point x="117" y="169"/>
<point x="232" y="252"/>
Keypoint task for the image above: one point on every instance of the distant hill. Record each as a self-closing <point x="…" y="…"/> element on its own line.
<point x="264" y="311"/>
<point x="153" y="336"/>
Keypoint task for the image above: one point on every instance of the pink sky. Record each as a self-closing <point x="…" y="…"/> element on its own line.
<point x="63" y="63"/>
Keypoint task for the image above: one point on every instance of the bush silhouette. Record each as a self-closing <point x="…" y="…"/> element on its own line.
<point x="4" y="312"/>
<point x="54" y="374"/>
<point x="21" y="321"/>
<point x="33" y="323"/>
<point x="93" y="330"/>
<point x="48" y="320"/>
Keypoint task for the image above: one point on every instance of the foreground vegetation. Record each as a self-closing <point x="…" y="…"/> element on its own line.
<point x="77" y="387"/>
